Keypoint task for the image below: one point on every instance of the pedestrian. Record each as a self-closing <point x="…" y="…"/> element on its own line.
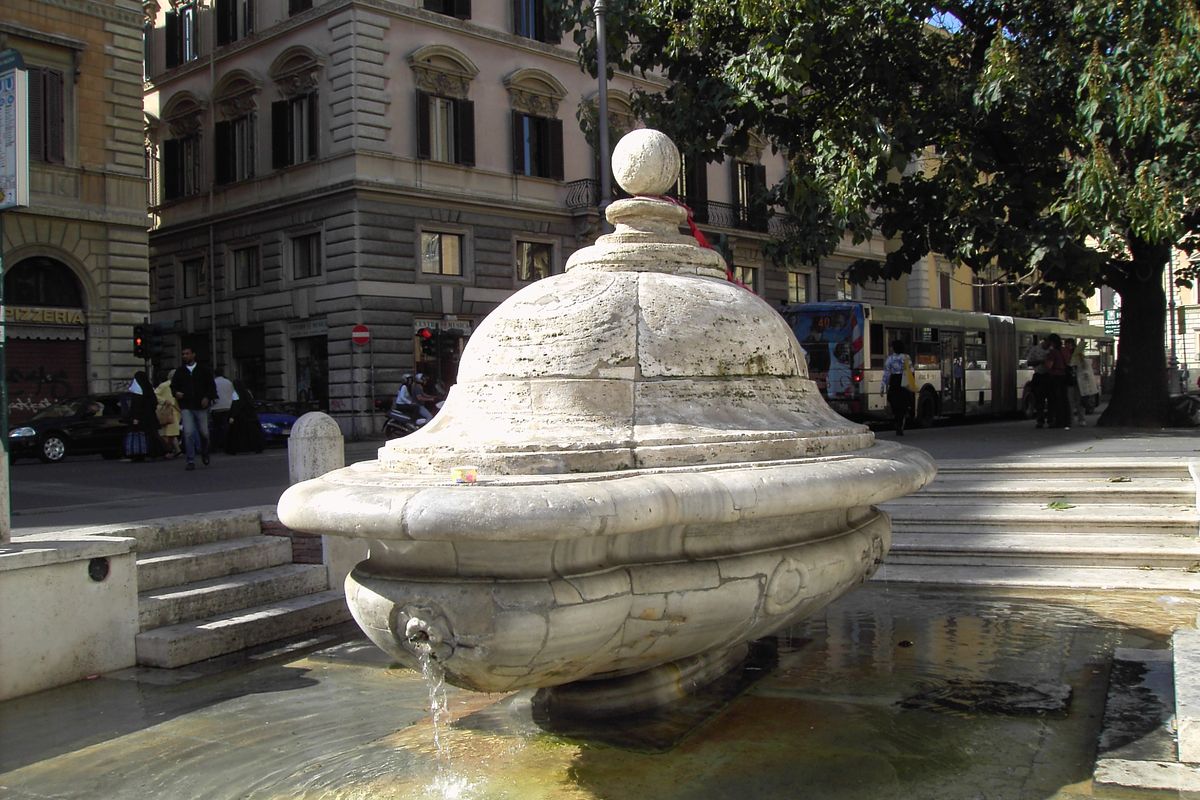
<point x="1039" y="384"/>
<point x="1076" y="364"/>
<point x="245" y="433"/>
<point x="899" y="384"/>
<point x="1056" y="370"/>
<point x="168" y="418"/>
<point x="194" y="388"/>
<point x="221" y="408"/>
<point x="143" y="420"/>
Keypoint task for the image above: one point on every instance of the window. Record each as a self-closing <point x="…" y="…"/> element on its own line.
<point x="306" y="256"/>
<point x="537" y="146"/>
<point x="750" y="182"/>
<point x="798" y="288"/>
<point x="195" y="278"/>
<point x="294" y="130"/>
<point x="692" y="185"/>
<point x="46" y="115"/>
<point x="182" y="36"/>
<point x="441" y="253"/>
<point x="531" y="19"/>
<point x="246" y="270"/>
<point x="181" y="167"/>
<point x="234" y="149"/>
<point x="235" y="20"/>
<point x="534" y="260"/>
<point x="944" y="289"/>
<point x="445" y="129"/>
<point x="296" y="6"/>
<point x="845" y="289"/>
<point x="748" y="276"/>
<point x="147" y="50"/>
<point x="453" y="8"/>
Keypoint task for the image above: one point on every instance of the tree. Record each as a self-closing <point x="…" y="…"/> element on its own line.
<point x="1054" y="143"/>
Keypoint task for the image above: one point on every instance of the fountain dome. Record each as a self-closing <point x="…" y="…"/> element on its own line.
<point x="659" y="482"/>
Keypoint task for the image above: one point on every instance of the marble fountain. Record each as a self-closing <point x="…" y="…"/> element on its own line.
<point x="657" y="481"/>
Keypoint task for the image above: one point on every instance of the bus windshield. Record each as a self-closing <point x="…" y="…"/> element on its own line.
<point x="832" y="337"/>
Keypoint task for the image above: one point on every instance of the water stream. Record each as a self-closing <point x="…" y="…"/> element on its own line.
<point x="446" y="785"/>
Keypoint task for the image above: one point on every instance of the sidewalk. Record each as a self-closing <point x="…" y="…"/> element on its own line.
<point x="1019" y="440"/>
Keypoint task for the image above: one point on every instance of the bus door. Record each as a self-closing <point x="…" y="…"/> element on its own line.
<point x="953" y="373"/>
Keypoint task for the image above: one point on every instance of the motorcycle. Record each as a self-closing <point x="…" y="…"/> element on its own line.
<point x="402" y="419"/>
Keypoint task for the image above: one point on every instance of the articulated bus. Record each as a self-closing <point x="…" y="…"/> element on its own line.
<point x="966" y="363"/>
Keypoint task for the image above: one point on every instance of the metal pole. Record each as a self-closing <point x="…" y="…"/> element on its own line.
<point x="599" y="8"/>
<point x="5" y="483"/>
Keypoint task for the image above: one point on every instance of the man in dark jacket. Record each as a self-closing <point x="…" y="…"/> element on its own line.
<point x="194" y="388"/>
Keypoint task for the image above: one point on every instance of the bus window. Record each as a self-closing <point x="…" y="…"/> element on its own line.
<point x="927" y="354"/>
<point x="879" y="345"/>
<point x="975" y="349"/>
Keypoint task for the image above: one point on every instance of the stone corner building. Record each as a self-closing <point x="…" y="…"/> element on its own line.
<point x="75" y="259"/>
<point x="405" y="165"/>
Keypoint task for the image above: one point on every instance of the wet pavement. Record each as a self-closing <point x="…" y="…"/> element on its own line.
<point x="893" y="691"/>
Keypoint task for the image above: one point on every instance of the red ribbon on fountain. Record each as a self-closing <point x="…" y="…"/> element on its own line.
<point x="698" y="234"/>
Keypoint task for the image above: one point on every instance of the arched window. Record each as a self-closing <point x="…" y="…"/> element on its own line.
<point x="445" y="117"/>
<point x="42" y="281"/>
<point x="295" y="119"/>
<point x="234" y="141"/>
<point x="537" y="131"/>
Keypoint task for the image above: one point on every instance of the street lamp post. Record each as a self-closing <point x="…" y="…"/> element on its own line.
<point x="599" y="7"/>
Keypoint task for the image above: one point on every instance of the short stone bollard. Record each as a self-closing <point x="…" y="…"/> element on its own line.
<point x="316" y="446"/>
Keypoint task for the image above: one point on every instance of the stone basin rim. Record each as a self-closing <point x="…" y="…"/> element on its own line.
<point x="601" y="504"/>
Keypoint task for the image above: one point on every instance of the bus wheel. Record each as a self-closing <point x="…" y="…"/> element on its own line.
<point x="926" y="410"/>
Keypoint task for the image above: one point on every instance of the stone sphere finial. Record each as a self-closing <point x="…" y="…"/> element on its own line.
<point x="645" y="161"/>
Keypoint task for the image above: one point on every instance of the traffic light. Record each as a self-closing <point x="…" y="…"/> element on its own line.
<point x="427" y="339"/>
<point x="141" y="341"/>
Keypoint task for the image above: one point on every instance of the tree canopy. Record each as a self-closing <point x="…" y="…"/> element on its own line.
<point x="1051" y="142"/>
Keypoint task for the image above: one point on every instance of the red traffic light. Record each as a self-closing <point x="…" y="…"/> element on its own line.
<point x="425" y="333"/>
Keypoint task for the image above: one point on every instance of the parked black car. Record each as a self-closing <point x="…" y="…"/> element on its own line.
<point x="79" y="426"/>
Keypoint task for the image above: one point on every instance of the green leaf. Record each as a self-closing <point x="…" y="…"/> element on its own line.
<point x="1059" y="505"/>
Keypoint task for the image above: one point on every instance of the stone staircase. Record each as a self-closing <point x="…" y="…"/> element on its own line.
<point x="1085" y="523"/>
<point x="213" y="584"/>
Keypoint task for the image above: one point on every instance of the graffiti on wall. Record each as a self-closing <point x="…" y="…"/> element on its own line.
<point x="31" y="390"/>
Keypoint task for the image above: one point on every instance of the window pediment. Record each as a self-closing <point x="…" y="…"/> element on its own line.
<point x="533" y="91"/>
<point x="442" y="70"/>
<point x="235" y="94"/>
<point x="183" y="114"/>
<point x="296" y="71"/>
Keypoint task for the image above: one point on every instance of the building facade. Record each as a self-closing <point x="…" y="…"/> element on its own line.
<point x="75" y="259"/>
<point x="402" y="165"/>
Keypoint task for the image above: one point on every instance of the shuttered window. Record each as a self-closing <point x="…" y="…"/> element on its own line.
<point x="445" y="129"/>
<point x="46" y="115"/>
<point x="294" y="132"/>
<point x="537" y="146"/>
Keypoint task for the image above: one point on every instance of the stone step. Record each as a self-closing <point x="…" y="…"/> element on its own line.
<point x="188" y="642"/>
<point x="927" y="515"/>
<point x="176" y="532"/>
<point x="1056" y="577"/>
<point x="1033" y="549"/>
<point x="1100" y="468"/>
<point x="207" y="598"/>
<point x="211" y="560"/>
<point x="1100" y="491"/>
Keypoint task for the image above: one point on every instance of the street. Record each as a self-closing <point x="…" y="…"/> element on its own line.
<point x="87" y="490"/>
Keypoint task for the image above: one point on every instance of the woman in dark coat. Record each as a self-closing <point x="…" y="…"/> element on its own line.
<point x="144" y="416"/>
<point x="245" y="434"/>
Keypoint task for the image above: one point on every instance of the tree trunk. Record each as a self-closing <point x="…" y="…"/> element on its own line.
<point x="1140" y="396"/>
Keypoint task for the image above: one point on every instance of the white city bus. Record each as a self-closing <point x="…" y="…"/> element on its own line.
<point x="966" y="363"/>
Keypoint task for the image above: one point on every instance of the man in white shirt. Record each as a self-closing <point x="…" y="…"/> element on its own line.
<point x="220" y="409"/>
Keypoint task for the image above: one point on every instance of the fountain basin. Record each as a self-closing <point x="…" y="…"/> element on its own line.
<point x="530" y="581"/>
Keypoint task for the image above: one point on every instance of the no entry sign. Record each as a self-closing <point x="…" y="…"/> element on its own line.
<point x="360" y="334"/>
